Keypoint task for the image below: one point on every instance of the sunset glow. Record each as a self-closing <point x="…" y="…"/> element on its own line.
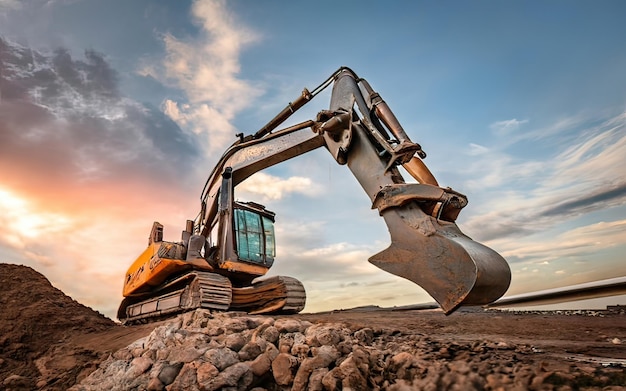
<point x="23" y="221"/>
<point x="520" y="106"/>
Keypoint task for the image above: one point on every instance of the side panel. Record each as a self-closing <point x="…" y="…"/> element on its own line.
<point x="150" y="270"/>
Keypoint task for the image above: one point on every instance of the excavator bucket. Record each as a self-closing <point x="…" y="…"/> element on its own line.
<point x="426" y="245"/>
<point x="435" y="254"/>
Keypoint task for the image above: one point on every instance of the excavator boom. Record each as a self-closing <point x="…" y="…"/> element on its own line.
<point x="360" y="131"/>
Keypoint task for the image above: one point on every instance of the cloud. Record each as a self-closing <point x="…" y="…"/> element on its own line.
<point x="574" y="256"/>
<point x="581" y="242"/>
<point x="507" y="126"/>
<point x="305" y="249"/>
<point x="9" y="5"/>
<point x="70" y="112"/>
<point x="337" y="274"/>
<point x="562" y="130"/>
<point x="532" y="196"/>
<point x="602" y="198"/>
<point x="206" y="69"/>
<point x="562" y="212"/>
<point x="596" y="153"/>
<point x="476" y="149"/>
<point x="85" y="170"/>
<point x="387" y="291"/>
<point x="270" y="187"/>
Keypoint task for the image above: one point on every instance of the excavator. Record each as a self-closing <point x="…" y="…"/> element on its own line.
<point x="230" y="245"/>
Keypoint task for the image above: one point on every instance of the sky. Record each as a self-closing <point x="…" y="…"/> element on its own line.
<point x="112" y="115"/>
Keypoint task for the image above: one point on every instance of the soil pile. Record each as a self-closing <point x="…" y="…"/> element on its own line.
<point x="37" y="323"/>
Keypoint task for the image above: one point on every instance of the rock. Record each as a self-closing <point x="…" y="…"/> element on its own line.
<point x="539" y="379"/>
<point x="270" y="334"/>
<point x="376" y="360"/>
<point x="285" y="343"/>
<point x="315" y="379"/>
<point x="221" y="358"/>
<point x="235" y="342"/>
<point x="185" y="354"/>
<point x="522" y="376"/>
<point x="345" y="347"/>
<point x="283" y="368"/>
<point x="206" y="371"/>
<point x="403" y="385"/>
<point x="155" y="384"/>
<point x="461" y="367"/>
<point x="400" y="362"/>
<point x="186" y="379"/>
<point x="236" y="325"/>
<point x="332" y="379"/>
<point x="300" y="350"/>
<point x="267" y="322"/>
<point x="139" y="365"/>
<point x="287" y="325"/>
<point x="169" y="372"/>
<point x="261" y="364"/>
<point x="238" y="375"/>
<point x="365" y="336"/>
<point x="319" y="335"/>
<point x="123" y="354"/>
<point x="213" y="331"/>
<point x="161" y="353"/>
<point x="361" y="358"/>
<point x="353" y="378"/>
<point x="252" y="349"/>
<point x="323" y="358"/>
<point x="16" y="382"/>
<point x="272" y="351"/>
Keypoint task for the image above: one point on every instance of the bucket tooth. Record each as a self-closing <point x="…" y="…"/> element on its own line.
<point x="451" y="267"/>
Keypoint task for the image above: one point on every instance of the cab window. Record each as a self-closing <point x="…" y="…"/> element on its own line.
<point x="255" y="237"/>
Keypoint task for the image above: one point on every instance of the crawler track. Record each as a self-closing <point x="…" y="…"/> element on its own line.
<point x="200" y="289"/>
<point x="190" y="291"/>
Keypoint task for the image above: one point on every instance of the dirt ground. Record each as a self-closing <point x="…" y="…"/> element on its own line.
<point x="49" y="341"/>
<point x="591" y="335"/>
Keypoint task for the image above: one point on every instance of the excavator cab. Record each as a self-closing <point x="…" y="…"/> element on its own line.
<point x="254" y="233"/>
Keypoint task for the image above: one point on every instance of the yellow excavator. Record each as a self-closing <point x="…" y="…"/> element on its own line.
<point x="230" y="244"/>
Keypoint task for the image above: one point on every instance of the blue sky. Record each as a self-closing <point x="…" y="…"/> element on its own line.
<point x="519" y="105"/>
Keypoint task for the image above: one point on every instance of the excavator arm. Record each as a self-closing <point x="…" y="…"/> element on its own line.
<point x="360" y="131"/>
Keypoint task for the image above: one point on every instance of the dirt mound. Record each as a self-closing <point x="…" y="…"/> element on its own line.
<point x="36" y="322"/>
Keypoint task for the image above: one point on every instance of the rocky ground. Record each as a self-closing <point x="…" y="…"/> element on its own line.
<point x="50" y="342"/>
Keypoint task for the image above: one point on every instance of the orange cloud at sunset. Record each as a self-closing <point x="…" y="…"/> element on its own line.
<point x="84" y="173"/>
